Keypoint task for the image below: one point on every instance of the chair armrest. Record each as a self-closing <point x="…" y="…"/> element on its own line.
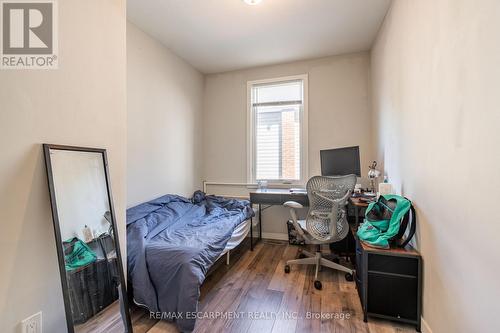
<point x="293" y="204"/>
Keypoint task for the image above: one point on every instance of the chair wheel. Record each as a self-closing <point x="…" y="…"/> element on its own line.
<point x="349" y="277"/>
<point x="287" y="269"/>
<point x="318" y="285"/>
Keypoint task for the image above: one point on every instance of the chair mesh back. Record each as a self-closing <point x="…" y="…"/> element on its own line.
<point x="320" y="222"/>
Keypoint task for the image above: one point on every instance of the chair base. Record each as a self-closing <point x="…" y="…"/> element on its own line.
<point x="319" y="261"/>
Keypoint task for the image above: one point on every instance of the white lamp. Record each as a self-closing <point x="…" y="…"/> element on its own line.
<point x="373" y="174"/>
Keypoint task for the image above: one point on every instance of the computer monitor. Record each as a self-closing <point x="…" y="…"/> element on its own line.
<point x="340" y="161"/>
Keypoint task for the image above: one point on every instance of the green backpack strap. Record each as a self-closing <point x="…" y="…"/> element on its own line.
<point x="410" y="217"/>
<point x="402" y="207"/>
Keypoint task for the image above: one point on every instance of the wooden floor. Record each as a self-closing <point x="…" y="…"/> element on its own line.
<point x="255" y="285"/>
<point x="109" y="320"/>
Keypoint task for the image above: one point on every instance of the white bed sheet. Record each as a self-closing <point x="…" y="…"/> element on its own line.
<point x="239" y="234"/>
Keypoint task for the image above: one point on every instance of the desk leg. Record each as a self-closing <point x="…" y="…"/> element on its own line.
<point x="251" y="234"/>
<point x="260" y="222"/>
<point x="356" y="216"/>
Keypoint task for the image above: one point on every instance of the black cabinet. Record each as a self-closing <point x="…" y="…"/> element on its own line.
<point x="92" y="288"/>
<point x="389" y="283"/>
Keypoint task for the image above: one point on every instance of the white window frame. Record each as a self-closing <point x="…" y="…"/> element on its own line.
<point x="251" y="152"/>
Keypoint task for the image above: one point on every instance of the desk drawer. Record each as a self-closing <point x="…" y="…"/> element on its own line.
<point x="392" y="296"/>
<point x="301" y="199"/>
<point x="266" y="198"/>
<point x="393" y="264"/>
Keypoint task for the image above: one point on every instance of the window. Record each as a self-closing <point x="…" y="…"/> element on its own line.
<point x="277" y="120"/>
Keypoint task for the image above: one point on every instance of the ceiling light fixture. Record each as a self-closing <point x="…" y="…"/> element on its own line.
<point x="252" y="2"/>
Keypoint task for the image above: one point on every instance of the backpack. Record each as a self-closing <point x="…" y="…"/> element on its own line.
<point x="386" y="222"/>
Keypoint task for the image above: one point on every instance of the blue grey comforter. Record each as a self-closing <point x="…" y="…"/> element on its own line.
<point x="172" y="241"/>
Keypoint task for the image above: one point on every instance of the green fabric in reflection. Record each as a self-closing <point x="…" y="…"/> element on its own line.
<point x="79" y="255"/>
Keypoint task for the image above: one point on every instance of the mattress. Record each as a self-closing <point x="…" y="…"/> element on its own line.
<point x="239" y="234"/>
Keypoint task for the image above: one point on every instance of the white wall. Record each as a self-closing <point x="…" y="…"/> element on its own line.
<point x="81" y="103"/>
<point x="436" y="79"/>
<point x="339" y="113"/>
<point x="164" y="105"/>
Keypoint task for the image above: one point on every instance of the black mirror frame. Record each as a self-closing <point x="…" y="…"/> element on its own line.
<point x="124" y="308"/>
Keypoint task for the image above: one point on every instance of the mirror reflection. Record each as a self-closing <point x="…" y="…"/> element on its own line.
<point x="91" y="264"/>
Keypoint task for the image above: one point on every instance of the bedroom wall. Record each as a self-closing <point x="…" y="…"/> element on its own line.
<point x="339" y="106"/>
<point x="164" y="106"/>
<point x="82" y="103"/>
<point x="436" y="73"/>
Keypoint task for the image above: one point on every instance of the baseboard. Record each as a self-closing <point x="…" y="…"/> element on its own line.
<point x="275" y="235"/>
<point x="425" y="327"/>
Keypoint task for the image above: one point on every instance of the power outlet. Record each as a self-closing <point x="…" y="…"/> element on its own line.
<point x="32" y="324"/>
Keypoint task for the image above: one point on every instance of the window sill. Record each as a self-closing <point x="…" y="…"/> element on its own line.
<point x="279" y="185"/>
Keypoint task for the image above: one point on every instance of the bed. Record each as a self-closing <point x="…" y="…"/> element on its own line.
<point x="172" y="242"/>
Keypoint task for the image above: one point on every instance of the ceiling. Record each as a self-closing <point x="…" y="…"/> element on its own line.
<point x="222" y="35"/>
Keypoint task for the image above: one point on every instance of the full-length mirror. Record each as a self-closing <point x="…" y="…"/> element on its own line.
<point x="87" y="240"/>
